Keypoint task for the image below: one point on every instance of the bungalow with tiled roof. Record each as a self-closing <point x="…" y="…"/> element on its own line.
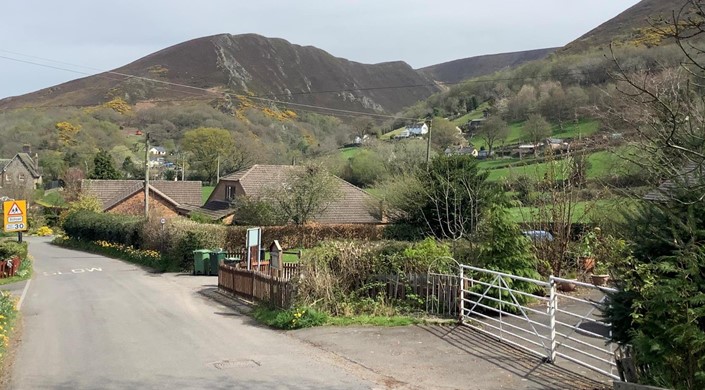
<point x="352" y="206"/>
<point x="167" y="198"/>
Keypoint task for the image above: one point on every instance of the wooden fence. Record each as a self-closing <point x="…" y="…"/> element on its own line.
<point x="258" y="285"/>
<point x="439" y="293"/>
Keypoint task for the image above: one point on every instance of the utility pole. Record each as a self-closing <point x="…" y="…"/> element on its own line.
<point x="217" y="176"/>
<point x="146" y="176"/>
<point x="429" y="120"/>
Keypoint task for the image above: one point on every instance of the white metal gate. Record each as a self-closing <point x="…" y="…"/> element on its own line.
<point x="553" y="326"/>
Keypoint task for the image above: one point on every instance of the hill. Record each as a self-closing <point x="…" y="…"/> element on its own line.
<point x="466" y="68"/>
<point x="245" y="64"/>
<point x="625" y="27"/>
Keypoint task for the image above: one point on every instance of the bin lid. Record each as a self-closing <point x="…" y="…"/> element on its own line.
<point x="202" y="251"/>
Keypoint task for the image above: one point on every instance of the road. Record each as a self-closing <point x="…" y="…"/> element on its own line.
<point x="91" y="322"/>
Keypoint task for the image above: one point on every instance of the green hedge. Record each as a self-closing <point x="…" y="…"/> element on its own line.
<point x="92" y="226"/>
<point x="13" y="248"/>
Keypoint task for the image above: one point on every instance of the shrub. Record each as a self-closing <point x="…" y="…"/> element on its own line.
<point x="342" y="277"/>
<point x="503" y="248"/>
<point x="13" y="248"/>
<point x="92" y="226"/>
<point x="44" y="231"/>
<point x="294" y="318"/>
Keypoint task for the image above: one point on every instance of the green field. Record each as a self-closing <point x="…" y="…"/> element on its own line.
<point x="352" y="151"/>
<point x="206" y="192"/>
<point x="475" y="114"/>
<point x="583" y="211"/>
<point x="602" y="164"/>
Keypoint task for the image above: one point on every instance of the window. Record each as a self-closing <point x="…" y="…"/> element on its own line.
<point x="8" y="178"/>
<point x="229" y="192"/>
<point x="21" y="177"/>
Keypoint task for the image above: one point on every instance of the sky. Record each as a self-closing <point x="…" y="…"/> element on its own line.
<point x="74" y="38"/>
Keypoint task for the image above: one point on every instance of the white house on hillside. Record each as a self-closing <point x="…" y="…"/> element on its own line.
<point x="418" y="129"/>
<point x="157" y="150"/>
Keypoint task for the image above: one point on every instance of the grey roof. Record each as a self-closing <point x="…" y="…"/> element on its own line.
<point x="691" y="176"/>
<point x="353" y="205"/>
<point x="27" y="161"/>
<point x="215" y="209"/>
<point x="112" y="192"/>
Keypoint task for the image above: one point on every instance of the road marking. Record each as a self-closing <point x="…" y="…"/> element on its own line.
<point x="24" y="293"/>
<point x="74" y="271"/>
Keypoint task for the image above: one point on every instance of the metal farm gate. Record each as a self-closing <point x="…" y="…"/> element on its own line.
<point x="554" y="325"/>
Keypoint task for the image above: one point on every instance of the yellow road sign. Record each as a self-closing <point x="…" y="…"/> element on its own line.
<point x="14" y="216"/>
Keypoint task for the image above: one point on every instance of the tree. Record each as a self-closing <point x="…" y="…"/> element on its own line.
<point x="659" y="308"/>
<point x="103" y="168"/>
<point x="494" y="129"/>
<point x="446" y="200"/>
<point x="53" y="165"/>
<point x="67" y="133"/>
<point x="207" y="145"/>
<point x="364" y="169"/>
<point x="132" y="170"/>
<point x="251" y="211"/>
<point x="536" y="129"/>
<point x="445" y="134"/>
<point x="503" y="248"/>
<point x="305" y="193"/>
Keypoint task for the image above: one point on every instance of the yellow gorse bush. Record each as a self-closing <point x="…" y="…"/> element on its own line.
<point x="44" y="231"/>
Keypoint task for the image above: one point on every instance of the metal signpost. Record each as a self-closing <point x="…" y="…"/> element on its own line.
<point x="15" y="217"/>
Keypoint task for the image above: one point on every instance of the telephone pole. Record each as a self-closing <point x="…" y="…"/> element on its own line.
<point x="146" y="176"/>
<point x="429" y="120"/>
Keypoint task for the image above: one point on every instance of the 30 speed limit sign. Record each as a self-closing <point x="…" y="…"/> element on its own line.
<point x="14" y="216"/>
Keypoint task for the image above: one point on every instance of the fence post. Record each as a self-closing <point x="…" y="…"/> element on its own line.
<point x="462" y="294"/>
<point x="552" y="305"/>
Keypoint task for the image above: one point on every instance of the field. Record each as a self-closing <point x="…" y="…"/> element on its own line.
<point x="206" y="192"/>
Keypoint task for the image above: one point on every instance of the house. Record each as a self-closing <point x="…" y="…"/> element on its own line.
<point x="157" y="151"/>
<point x="417" y="129"/>
<point x="403" y="134"/>
<point x="482" y="154"/>
<point x="461" y="150"/>
<point x="556" y="144"/>
<point x="475" y="124"/>
<point x="168" y="198"/>
<point x="20" y="171"/>
<point x="361" y="140"/>
<point x="352" y="206"/>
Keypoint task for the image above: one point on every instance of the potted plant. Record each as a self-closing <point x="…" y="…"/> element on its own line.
<point x="600" y="274"/>
<point x="586" y="250"/>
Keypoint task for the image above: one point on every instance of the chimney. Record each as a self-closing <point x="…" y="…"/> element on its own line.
<point x="27" y="148"/>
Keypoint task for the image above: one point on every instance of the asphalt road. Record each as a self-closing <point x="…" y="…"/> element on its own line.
<point x="91" y="322"/>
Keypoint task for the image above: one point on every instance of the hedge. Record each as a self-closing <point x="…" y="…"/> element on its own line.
<point x="179" y="237"/>
<point x="92" y="226"/>
<point x="13" y="248"/>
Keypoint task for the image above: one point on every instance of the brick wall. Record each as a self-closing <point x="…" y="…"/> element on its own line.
<point x="134" y="205"/>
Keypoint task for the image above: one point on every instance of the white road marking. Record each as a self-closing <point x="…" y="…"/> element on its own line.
<point x="75" y="271"/>
<point x="24" y="293"/>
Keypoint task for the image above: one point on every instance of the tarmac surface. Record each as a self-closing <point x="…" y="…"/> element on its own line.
<point x="91" y="322"/>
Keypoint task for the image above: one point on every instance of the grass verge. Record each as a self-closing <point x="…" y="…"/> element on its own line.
<point x="8" y="316"/>
<point x="150" y="259"/>
<point x="301" y="317"/>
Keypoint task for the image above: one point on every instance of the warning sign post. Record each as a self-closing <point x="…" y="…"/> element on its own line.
<point x="14" y="216"/>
